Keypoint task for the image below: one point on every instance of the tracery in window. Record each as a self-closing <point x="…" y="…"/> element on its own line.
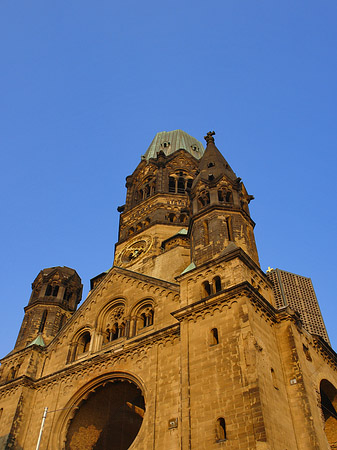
<point x="114" y="327"/>
<point x="179" y="182"/>
<point x="144" y="317"/>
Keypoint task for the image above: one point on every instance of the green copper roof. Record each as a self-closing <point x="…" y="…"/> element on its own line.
<point x="38" y="341"/>
<point x="188" y="268"/>
<point x="171" y="141"/>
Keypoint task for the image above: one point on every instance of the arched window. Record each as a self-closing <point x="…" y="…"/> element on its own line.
<point x="182" y="218"/>
<point x="214" y="336"/>
<point x="206" y="289"/>
<point x="83" y="343"/>
<point x="179" y="182"/>
<point x="48" y="290"/>
<point x="144" y="317"/>
<point x="221" y="429"/>
<point x="114" y="327"/>
<point x="204" y="199"/>
<point x="217" y="284"/>
<point x="43" y="321"/>
<point x="329" y="405"/>
<point x="172" y="217"/>
<point x="147" y="191"/>
<point x="12" y="374"/>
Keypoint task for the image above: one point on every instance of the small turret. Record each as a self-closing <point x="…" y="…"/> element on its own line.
<point x="56" y="292"/>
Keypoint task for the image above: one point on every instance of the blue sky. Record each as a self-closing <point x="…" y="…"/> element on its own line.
<point x="85" y="86"/>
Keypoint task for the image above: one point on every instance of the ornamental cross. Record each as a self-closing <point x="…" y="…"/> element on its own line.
<point x="209" y="137"/>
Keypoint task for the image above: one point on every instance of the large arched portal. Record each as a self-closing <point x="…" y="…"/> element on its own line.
<point x="329" y="405"/>
<point x="108" y="419"/>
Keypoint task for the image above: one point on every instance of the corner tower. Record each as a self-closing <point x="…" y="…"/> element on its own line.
<point x="56" y="292"/>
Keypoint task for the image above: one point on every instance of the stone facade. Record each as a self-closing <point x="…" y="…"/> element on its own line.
<point x="180" y="345"/>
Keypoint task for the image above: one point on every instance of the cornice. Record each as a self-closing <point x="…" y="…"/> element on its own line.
<point x="229" y="207"/>
<point x="224" y="297"/>
<point x="237" y="253"/>
<point x="103" y="357"/>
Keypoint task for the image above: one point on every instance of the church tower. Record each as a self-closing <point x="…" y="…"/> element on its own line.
<point x="155" y="218"/>
<point x="55" y="295"/>
<point x="219" y="206"/>
<point x="181" y="344"/>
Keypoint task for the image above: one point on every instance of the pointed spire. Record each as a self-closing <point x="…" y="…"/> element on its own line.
<point x="213" y="165"/>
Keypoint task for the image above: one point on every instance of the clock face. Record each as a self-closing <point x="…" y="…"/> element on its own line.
<point x="134" y="251"/>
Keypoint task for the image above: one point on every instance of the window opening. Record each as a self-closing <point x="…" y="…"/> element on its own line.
<point x="214" y="336"/>
<point x="206" y="288"/>
<point x="229" y="197"/>
<point x="48" y="290"/>
<point x="43" y="321"/>
<point x="55" y="291"/>
<point x="172" y="217"/>
<point x="181" y="185"/>
<point x="221" y="429"/>
<point x="172" y="184"/>
<point x="229" y="228"/>
<point x="217" y="284"/>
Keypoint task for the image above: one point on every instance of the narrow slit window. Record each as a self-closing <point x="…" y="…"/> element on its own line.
<point x="43" y="321"/>
<point x="229" y="228"/>
<point x="214" y="336"/>
<point x="221" y="429"/>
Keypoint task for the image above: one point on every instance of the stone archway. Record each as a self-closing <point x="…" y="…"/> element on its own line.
<point x="109" y="417"/>
<point x="329" y="405"/>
